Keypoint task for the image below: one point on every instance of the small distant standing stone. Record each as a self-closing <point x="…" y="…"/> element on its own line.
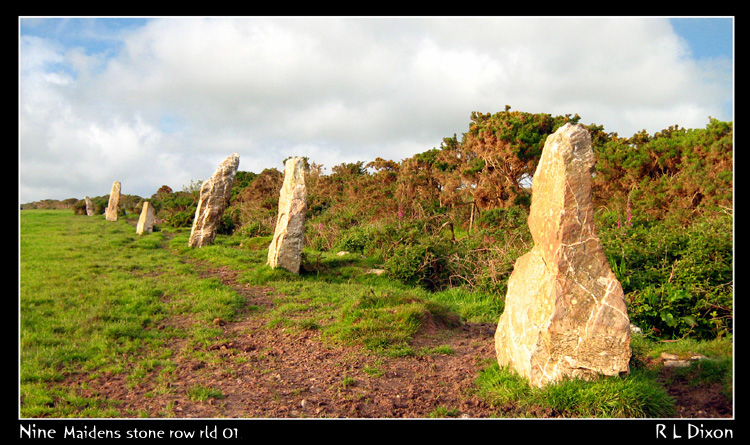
<point x="213" y="200"/>
<point x="285" y="250"/>
<point x="89" y="207"/>
<point x="114" y="202"/>
<point x="146" y="221"/>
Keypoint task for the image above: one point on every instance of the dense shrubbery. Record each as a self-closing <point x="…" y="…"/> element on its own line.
<point x="455" y="216"/>
<point x="678" y="279"/>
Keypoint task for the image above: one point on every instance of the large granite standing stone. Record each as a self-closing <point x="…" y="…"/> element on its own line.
<point x="285" y="250"/>
<point x="213" y="200"/>
<point x="89" y="207"/>
<point x="565" y="313"/>
<point x="146" y="220"/>
<point x="114" y="202"/>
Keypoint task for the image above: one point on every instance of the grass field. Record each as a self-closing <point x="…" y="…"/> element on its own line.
<point x="94" y="298"/>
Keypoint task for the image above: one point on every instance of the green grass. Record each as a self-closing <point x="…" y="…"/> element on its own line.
<point x="97" y="299"/>
<point x="634" y="396"/>
<point x="201" y="393"/>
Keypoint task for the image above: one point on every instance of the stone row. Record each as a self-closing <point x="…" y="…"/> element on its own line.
<point x="285" y="250"/>
<point x="565" y="313"/>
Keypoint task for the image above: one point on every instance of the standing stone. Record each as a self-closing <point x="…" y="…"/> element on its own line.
<point x="89" y="207"/>
<point x="114" y="202"/>
<point x="213" y="200"/>
<point x="289" y="237"/>
<point x="146" y="221"/>
<point x="565" y="313"/>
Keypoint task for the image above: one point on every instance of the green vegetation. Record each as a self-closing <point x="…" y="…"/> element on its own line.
<point x="95" y="300"/>
<point x="635" y="396"/>
<point x="446" y="225"/>
<point x="202" y="393"/>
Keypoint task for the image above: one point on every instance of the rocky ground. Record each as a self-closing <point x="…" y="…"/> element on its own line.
<point x="270" y="372"/>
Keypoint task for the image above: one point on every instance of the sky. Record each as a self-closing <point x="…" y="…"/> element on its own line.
<point x="163" y="100"/>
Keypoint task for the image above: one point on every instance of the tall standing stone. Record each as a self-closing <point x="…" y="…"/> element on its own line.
<point x="146" y="220"/>
<point x="285" y="250"/>
<point x="114" y="202"/>
<point x="89" y="207"/>
<point x="213" y="200"/>
<point x="565" y="313"/>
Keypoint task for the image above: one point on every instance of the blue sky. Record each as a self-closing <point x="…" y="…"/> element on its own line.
<point x="708" y="37"/>
<point x="150" y="102"/>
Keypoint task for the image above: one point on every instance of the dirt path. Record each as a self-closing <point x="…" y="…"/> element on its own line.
<point x="271" y="372"/>
<point x="298" y="374"/>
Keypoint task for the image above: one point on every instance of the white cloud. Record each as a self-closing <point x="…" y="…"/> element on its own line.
<point x="183" y="93"/>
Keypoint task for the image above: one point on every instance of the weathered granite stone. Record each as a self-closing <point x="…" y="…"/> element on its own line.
<point x="565" y="313"/>
<point x="146" y="220"/>
<point x="285" y="250"/>
<point x="114" y="203"/>
<point x="213" y="200"/>
<point x="89" y="207"/>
